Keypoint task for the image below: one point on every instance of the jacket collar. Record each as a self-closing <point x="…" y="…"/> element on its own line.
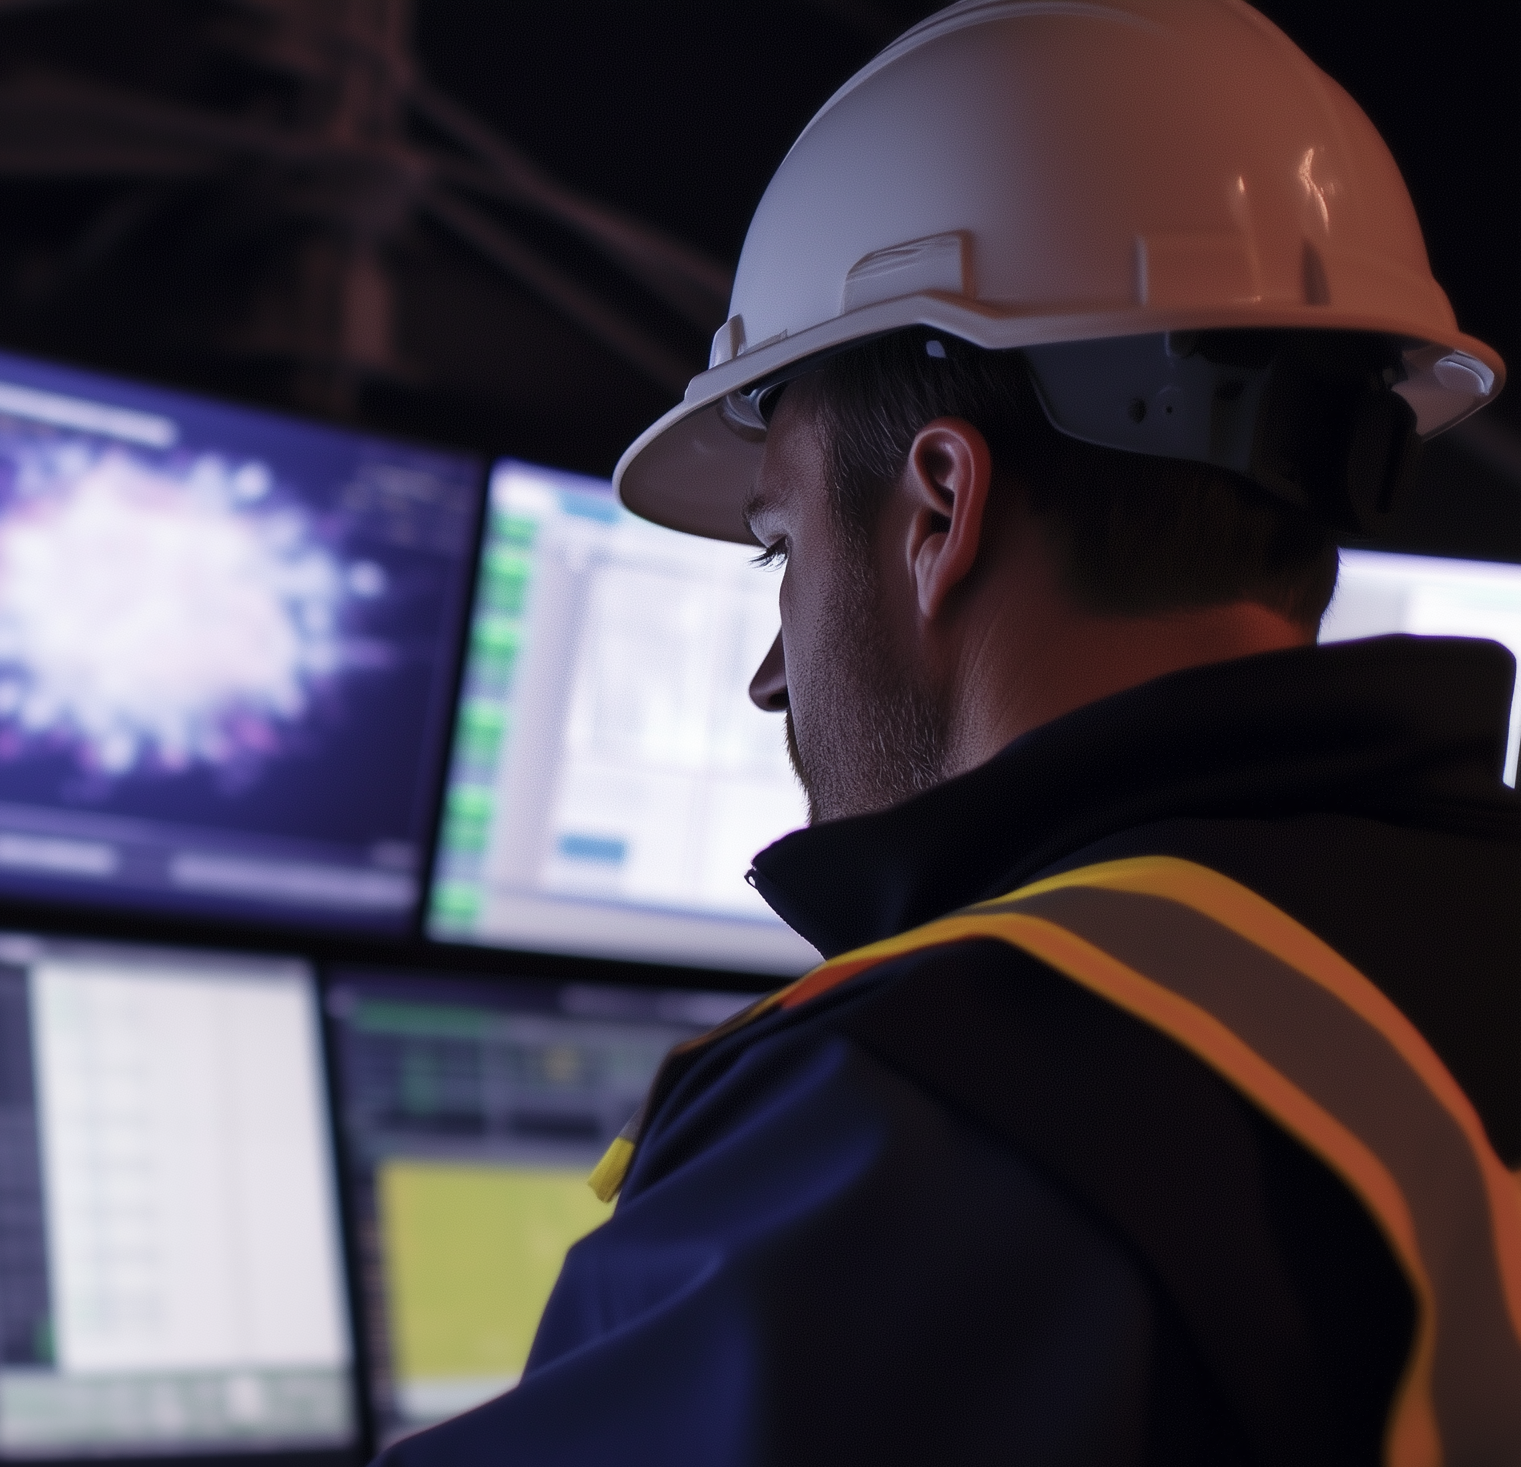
<point x="1410" y="730"/>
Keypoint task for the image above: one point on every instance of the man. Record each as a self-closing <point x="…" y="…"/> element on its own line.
<point x="1156" y="1102"/>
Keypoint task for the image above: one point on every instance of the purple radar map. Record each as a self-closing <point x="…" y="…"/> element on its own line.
<point x="226" y="641"/>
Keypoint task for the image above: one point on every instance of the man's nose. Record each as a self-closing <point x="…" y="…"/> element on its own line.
<point x="768" y="688"/>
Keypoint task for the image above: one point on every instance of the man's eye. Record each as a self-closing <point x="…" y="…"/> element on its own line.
<point x="773" y="555"/>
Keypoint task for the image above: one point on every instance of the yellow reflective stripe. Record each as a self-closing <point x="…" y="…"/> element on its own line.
<point x="608" y="1177"/>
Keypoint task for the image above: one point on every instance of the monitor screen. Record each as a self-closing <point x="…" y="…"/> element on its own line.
<point x="473" y="1111"/>
<point x="226" y="653"/>
<point x="1380" y="592"/>
<point x="171" y="1276"/>
<point x="610" y="778"/>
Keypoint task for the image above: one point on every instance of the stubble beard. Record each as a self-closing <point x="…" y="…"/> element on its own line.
<point x="874" y="734"/>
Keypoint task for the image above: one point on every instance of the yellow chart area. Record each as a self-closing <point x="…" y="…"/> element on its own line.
<point x="470" y="1254"/>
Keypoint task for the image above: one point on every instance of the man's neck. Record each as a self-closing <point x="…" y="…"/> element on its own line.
<point x="1050" y="661"/>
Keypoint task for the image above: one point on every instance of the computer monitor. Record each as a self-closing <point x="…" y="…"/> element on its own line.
<point x="610" y="778"/>
<point x="171" y="1276"/>
<point x="227" y="647"/>
<point x="473" y="1111"/>
<point x="1381" y="592"/>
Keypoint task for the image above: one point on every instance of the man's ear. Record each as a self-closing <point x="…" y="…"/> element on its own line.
<point x="947" y="480"/>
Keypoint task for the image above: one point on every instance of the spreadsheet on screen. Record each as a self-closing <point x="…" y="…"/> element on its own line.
<point x="172" y="1273"/>
<point x="610" y="779"/>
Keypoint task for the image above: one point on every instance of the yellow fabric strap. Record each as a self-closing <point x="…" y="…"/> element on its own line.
<point x="611" y="1170"/>
<point x="607" y="1180"/>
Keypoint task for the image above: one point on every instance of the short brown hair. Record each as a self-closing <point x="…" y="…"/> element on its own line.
<point x="1139" y="534"/>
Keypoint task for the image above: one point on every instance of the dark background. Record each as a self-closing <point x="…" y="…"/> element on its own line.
<point x="256" y="197"/>
<point x="511" y="228"/>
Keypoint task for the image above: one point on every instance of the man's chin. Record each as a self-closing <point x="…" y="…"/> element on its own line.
<point x="800" y="770"/>
<point x="841" y="791"/>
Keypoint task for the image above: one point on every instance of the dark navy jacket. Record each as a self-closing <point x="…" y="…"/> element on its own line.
<point x="900" y="1223"/>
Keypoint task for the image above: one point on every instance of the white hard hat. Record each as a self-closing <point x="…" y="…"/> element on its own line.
<point x="1042" y="174"/>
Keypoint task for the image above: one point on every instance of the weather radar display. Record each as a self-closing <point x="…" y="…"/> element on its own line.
<point x="226" y="647"/>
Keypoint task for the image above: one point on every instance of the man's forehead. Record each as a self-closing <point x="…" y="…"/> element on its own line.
<point x="792" y="461"/>
<point x="754" y="506"/>
<point x="771" y="494"/>
<point x="769" y="491"/>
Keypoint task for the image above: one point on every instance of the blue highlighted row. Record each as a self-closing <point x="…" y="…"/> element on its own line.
<point x="604" y="850"/>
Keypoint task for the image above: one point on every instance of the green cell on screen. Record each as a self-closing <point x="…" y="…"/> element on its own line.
<point x="504" y="580"/>
<point x="514" y="529"/>
<point x="469" y="802"/>
<point x="456" y="901"/>
<point x="464" y="838"/>
<point x="467" y="820"/>
<point x="494" y="646"/>
<point x="422" y="1020"/>
<point x="482" y="728"/>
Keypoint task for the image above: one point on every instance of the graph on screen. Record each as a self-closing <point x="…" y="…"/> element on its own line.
<point x="170" y="1264"/>
<point x="610" y="778"/>
<point x="473" y="1111"/>
<point x="225" y="651"/>
<point x="1380" y="592"/>
<point x="470" y="1251"/>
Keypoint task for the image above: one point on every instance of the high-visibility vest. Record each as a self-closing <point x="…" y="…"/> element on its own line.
<point x="1318" y="1048"/>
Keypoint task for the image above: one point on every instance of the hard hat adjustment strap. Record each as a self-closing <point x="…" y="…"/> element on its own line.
<point x="1309" y="417"/>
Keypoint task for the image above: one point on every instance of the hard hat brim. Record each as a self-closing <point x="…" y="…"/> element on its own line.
<point x="691" y="471"/>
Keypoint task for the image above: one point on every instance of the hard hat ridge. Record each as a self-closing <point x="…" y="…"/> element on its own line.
<point x="1087" y="182"/>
